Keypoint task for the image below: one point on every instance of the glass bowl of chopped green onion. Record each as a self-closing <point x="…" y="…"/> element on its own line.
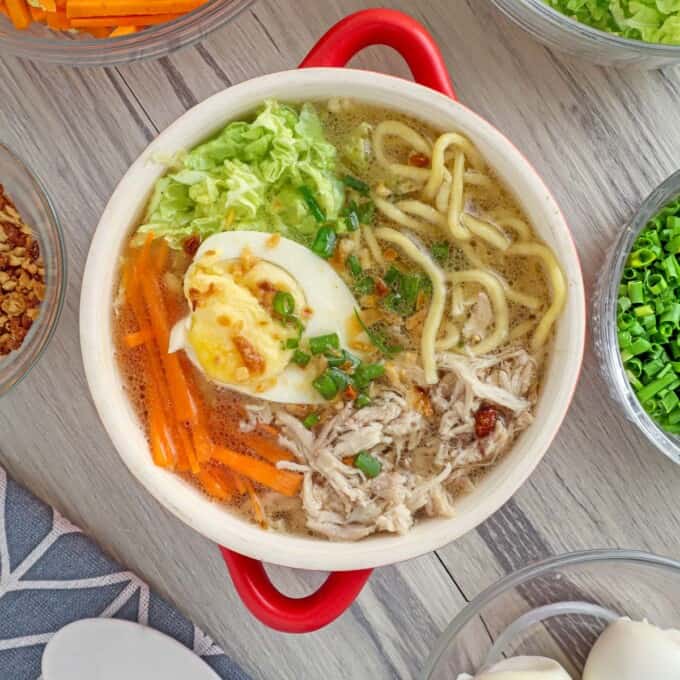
<point x="616" y="33"/>
<point x="636" y="322"/>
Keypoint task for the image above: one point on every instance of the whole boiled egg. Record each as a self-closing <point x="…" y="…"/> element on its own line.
<point x="234" y="334"/>
<point x="634" y="650"/>
<point x="522" y="668"/>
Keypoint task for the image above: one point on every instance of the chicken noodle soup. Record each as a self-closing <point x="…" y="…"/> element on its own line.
<point x="334" y="318"/>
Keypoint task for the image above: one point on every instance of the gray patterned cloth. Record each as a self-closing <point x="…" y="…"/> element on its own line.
<point x="52" y="574"/>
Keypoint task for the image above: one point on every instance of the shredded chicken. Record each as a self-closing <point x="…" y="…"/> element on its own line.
<point x="426" y="462"/>
<point x="481" y="317"/>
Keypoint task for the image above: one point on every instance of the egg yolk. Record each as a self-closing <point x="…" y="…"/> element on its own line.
<point x="233" y="330"/>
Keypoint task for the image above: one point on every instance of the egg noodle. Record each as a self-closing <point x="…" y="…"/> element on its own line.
<point x="445" y="195"/>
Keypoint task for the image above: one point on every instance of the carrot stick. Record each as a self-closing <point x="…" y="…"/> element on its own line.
<point x="185" y="409"/>
<point x="258" y="510"/>
<point x="188" y="456"/>
<point x="265" y="448"/>
<point x="153" y="362"/>
<point x="202" y="442"/>
<point x="157" y="428"/>
<point x="57" y="20"/>
<point x="18" y="13"/>
<point x="120" y="31"/>
<point x="37" y="13"/>
<point x="97" y="32"/>
<point x="106" y="8"/>
<point x="3" y="9"/>
<point x="239" y="483"/>
<point x="162" y="251"/>
<point x="137" y="338"/>
<point x="127" y="20"/>
<point x="282" y="481"/>
<point x="49" y="5"/>
<point x="216" y="484"/>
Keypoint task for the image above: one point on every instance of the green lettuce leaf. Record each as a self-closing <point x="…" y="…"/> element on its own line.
<point x="248" y="177"/>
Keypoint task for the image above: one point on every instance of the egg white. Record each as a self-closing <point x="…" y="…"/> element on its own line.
<point x="522" y="668"/>
<point x="634" y="650"/>
<point x="330" y="300"/>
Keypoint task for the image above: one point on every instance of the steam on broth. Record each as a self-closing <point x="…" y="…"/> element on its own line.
<point x="334" y="319"/>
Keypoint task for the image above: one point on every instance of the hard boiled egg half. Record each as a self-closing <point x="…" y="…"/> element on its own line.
<point x="522" y="668"/>
<point x="233" y="334"/>
<point x="634" y="650"/>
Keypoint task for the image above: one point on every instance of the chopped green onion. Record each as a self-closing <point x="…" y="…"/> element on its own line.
<point x="354" y="266"/>
<point x="284" y="304"/>
<point x="364" y="286"/>
<point x="301" y="358"/>
<point x="649" y="391"/>
<point x="366" y="212"/>
<point x="643" y="310"/>
<point x="292" y="343"/>
<point x="312" y="204"/>
<point x="656" y="284"/>
<point x="351" y="214"/>
<point x="323" y="343"/>
<point x="636" y="292"/>
<point x="364" y="374"/>
<point x="356" y="184"/>
<point x="634" y="365"/>
<point x="368" y="464"/>
<point x="441" y="251"/>
<point x="325" y="386"/>
<point x="362" y="401"/>
<point x="342" y="359"/>
<point x="673" y="246"/>
<point x="324" y="242"/>
<point x="340" y="378"/>
<point x="377" y="339"/>
<point x="311" y="420"/>
<point x="623" y="303"/>
<point x="641" y="258"/>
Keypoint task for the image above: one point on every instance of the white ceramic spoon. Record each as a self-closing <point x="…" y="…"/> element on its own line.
<point x="110" y="649"/>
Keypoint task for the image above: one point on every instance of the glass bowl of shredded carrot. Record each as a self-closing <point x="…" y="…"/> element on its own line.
<point x="107" y="32"/>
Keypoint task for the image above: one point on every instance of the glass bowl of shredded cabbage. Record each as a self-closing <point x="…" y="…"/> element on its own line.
<point x="643" y="33"/>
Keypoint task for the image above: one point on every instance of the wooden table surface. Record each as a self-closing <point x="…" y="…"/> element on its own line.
<point x="601" y="139"/>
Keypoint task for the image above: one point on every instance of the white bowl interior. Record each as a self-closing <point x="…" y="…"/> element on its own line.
<point x="125" y="209"/>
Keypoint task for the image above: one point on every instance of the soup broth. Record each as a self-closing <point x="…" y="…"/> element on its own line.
<point x="394" y="410"/>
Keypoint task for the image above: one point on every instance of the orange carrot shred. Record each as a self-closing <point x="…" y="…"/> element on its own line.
<point x="137" y="338"/>
<point x="18" y="13"/>
<point x="128" y="20"/>
<point x="265" y="448"/>
<point x="283" y="481"/>
<point x="258" y="510"/>
<point x="216" y="484"/>
<point x="104" y="8"/>
<point x="120" y="31"/>
<point x="57" y="20"/>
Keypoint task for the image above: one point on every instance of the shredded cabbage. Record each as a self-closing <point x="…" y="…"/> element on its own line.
<point x="248" y="177"/>
<point x="654" y="21"/>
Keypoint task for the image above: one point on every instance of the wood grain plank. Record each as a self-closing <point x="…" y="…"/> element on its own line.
<point x="601" y="139"/>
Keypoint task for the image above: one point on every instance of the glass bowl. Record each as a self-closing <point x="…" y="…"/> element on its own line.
<point x="538" y="602"/>
<point x="560" y="32"/>
<point x="32" y="202"/>
<point x="80" y="49"/>
<point x="605" y="326"/>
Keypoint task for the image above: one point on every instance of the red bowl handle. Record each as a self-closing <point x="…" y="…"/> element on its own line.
<point x="384" y="27"/>
<point x="290" y="614"/>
